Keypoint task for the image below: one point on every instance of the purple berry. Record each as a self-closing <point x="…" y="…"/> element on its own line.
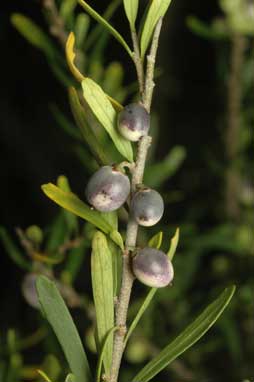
<point x="133" y="122"/>
<point x="153" y="268"/>
<point x="107" y="189"/>
<point x="147" y="207"/>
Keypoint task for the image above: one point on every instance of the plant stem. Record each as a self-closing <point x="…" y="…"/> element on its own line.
<point x="233" y="127"/>
<point x="146" y="91"/>
<point x="137" y="61"/>
<point x="57" y="27"/>
<point x="149" y="84"/>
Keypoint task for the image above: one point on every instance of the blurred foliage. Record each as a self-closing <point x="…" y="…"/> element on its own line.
<point x="218" y="256"/>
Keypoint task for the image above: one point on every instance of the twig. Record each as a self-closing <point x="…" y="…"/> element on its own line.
<point x="138" y="62"/>
<point x="233" y="126"/>
<point x="132" y="227"/>
<point x="57" y="27"/>
<point x="149" y="84"/>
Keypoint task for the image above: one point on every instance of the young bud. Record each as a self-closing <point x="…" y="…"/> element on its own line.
<point x="153" y="268"/>
<point x="133" y="122"/>
<point x="107" y="189"/>
<point x="147" y="207"/>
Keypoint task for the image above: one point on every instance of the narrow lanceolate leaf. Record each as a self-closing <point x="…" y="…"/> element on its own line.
<point x="173" y="245"/>
<point x="157" y="9"/>
<point x="106" y="115"/>
<point x="102" y="354"/>
<point x="71" y="219"/>
<point x="32" y="33"/>
<point x="187" y="338"/>
<point x="102" y="283"/>
<point x="90" y="138"/>
<point x="131" y="10"/>
<point x="72" y="203"/>
<point x="60" y="319"/>
<point x="140" y="313"/>
<point x="106" y="25"/>
<point x="156" y="240"/>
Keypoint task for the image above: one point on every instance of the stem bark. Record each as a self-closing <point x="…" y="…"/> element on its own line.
<point x="146" y="87"/>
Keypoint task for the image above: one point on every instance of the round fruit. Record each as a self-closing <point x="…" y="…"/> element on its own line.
<point x="133" y="122"/>
<point x="147" y="207"/>
<point x="153" y="268"/>
<point x="107" y="189"/>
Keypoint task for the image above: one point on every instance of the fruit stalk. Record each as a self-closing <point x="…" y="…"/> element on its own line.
<point x="132" y="227"/>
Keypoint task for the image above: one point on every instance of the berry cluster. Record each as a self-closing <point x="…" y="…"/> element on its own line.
<point x="109" y="188"/>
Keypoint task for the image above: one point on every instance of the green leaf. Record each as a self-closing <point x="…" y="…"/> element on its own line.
<point x="106" y="115"/>
<point x="71" y="220"/>
<point x="81" y="29"/>
<point x="102" y="283"/>
<point x="103" y="351"/>
<point x="56" y="233"/>
<point x="67" y="9"/>
<point x="158" y="173"/>
<point x="117" y="238"/>
<point x="209" y="32"/>
<point x="72" y="203"/>
<point x="131" y="10"/>
<point x="112" y="218"/>
<point x="113" y="78"/>
<point x="70" y="378"/>
<point x="13" y="251"/>
<point x="34" y="34"/>
<point x="75" y="260"/>
<point x="173" y="245"/>
<point x="156" y="240"/>
<point x="140" y="313"/>
<point x="106" y="25"/>
<point x="157" y="9"/>
<point x="116" y="258"/>
<point x="60" y="319"/>
<point x="187" y="338"/>
<point x="89" y="136"/>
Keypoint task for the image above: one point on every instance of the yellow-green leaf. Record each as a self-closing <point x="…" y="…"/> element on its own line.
<point x="70" y="57"/>
<point x="173" y="245"/>
<point x="106" y="115"/>
<point x="157" y="9"/>
<point x="102" y="283"/>
<point x="131" y="10"/>
<point x="72" y="203"/>
<point x="156" y="240"/>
